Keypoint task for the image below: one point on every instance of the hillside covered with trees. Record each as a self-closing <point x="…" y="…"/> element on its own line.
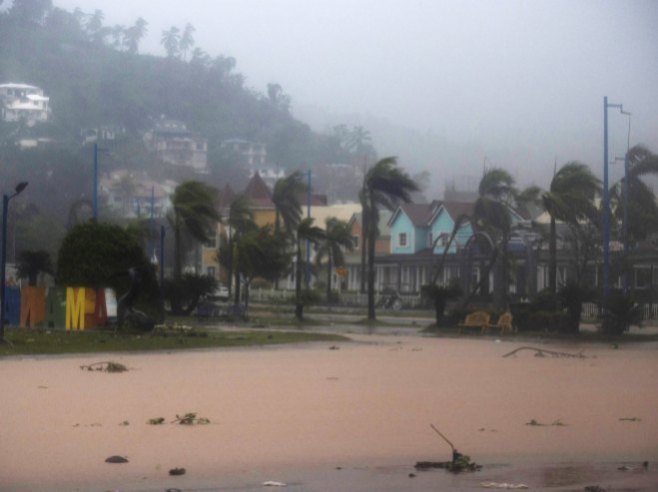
<point x="95" y="77"/>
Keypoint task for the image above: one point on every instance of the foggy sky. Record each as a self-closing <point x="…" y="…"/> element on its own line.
<point x="518" y="83"/>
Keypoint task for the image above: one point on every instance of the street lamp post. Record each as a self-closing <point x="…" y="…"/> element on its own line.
<point x="3" y="259"/>
<point x="606" y="198"/>
<point x="307" y="276"/>
<point x="95" y="193"/>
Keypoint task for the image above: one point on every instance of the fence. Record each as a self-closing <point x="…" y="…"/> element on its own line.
<point x="591" y="311"/>
<point x="346" y="298"/>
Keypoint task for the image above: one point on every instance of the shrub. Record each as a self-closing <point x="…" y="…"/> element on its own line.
<point x="620" y="311"/>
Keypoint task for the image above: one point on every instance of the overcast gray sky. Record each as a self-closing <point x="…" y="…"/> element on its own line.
<point x="520" y="82"/>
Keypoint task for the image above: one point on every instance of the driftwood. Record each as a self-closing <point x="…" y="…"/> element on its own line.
<point x="107" y="366"/>
<point x="539" y="352"/>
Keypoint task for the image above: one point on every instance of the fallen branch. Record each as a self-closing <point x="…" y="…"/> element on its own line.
<point x="544" y="352"/>
<point x="460" y="462"/>
<point x="107" y="366"/>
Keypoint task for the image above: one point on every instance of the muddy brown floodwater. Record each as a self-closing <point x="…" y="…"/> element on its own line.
<point x="356" y="418"/>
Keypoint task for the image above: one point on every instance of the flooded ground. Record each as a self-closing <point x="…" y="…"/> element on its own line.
<point x="349" y="416"/>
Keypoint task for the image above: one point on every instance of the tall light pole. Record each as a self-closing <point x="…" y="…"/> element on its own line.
<point x="95" y="192"/>
<point x="3" y="259"/>
<point x="606" y="198"/>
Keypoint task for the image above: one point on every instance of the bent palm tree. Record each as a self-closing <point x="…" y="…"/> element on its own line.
<point x="385" y="185"/>
<point x="642" y="211"/>
<point x="338" y="236"/>
<point x="492" y="215"/>
<point x="288" y="210"/>
<point x="241" y="221"/>
<point x="286" y="201"/>
<point x="194" y="213"/>
<point x="306" y="232"/>
<point x="570" y="199"/>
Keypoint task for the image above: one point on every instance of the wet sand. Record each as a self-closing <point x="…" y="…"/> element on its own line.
<point x="356" y="418"/>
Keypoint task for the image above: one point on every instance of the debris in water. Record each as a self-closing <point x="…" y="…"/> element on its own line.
<point x="116" y="459"/>
<point x="177" y="471"/>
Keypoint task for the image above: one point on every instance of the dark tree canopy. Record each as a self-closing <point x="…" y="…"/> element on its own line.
<point x="99" y="255"/>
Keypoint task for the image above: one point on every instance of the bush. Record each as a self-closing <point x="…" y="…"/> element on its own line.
<point x="620" y="311"/>
<point x="184" y="294"/>
<point x="100" y="255"/>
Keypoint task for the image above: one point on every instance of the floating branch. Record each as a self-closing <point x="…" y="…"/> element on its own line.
<point x="107" y="366"/>
<point x="190" y="419"/>
<point x="544" y="352"/>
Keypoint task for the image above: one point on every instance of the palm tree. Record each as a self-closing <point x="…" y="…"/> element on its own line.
<point x="170" y="40"/>
<point x="134" y="34"/>
<point x="570" y="198"/>
<point x="193" y="212"/>
<point x="642" y="208"/>
<point x="241" y="221"/>
<point x="288" y="209"/>
<point x="285" y="196"/>
<point x="386" y="185"/>
<point x="338" y="236"/>
<point x="306" y="232"/>
<point x="491" y="214"/>
<point x="186" y="40"/>
<point x="31" y="263"/>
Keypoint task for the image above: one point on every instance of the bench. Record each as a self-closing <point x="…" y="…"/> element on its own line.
<point x="504" y="323"/>
<point x="476" y="319"/>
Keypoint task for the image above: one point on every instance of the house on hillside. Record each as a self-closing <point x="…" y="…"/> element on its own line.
<point x="173" y="143"/>
<point x="23" y="102"/>
<point x="135" y="195"/>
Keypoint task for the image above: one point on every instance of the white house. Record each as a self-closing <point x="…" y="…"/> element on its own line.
<point x="23" y="102"/>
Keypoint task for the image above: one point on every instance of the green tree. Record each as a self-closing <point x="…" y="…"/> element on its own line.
<point x="262" y="254"/>
<point x="194" y="213"/>
<point x="33" y="262"/>
<point x="100" y="255"/>
<point x="338" y="235"/>
<point x="386" y="185"/>
<point x="306" y="232"/>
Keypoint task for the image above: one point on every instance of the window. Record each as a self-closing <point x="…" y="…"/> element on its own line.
<point x="355" y="241"/>
<point x="402" y="239"/>
<point x="642" y="277"/>
<point x="212" y="242"/>
<point x="210" y="271"/>
<point x="430" y="240"/>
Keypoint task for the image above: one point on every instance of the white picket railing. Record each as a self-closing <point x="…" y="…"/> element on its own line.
<point x="591" y="311"/>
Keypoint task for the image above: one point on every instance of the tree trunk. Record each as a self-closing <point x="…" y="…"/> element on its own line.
<point x="371" y="271"/>
<point x="299" y="306"/>
<point x="364" y="245"/>
<point x="276" y="234"/>
<point x="329" y="268"/>
<point x="178" y="254"/>
<point x="505" y="271"/>
<point x="552" y="262"/>
<point x="229" y="273"/>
